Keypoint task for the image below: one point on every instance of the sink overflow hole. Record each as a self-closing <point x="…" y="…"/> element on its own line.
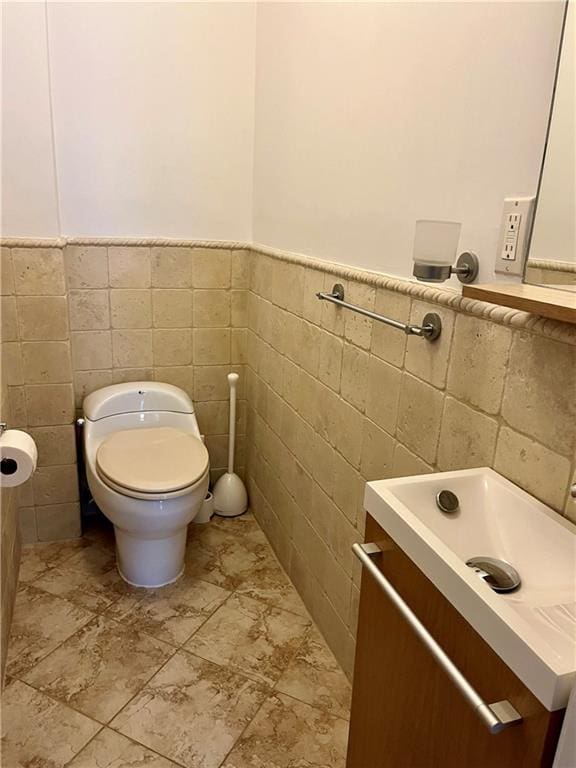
<point x="447" y="502"/>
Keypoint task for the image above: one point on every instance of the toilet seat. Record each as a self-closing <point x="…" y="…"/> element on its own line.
<point x="152" y="463"/>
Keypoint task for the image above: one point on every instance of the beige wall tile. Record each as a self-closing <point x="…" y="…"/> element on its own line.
<point x="384" y="383"/>
<point x="348" y="437"/>
<point x="133" y="349"/>
<point x="91" y="350"/>
<point x="388" y="343"/>
<point x="405" y="463"/>
<point x="330" y="360"/>
<point x="240" y="266"/>
<point x="49" y="404"/>
<point x="535" y="468"/>
<point x="181" y="376"/>
<point x="89" y="310"/>
<point x="174" y="347"/>
<point x="17" y="407"/>
<point x="306" y="349"/>
<point x="211" y="309"/>
<point x="211" y="383"/>
<point x="43" y="318"/>
<point x="312" y="283"/>
<point x="213" y="416"/>
<point x="129" y="267"/>
<point x="358" y="329"/>
<point x="38" y="271"/>
<point x="56" y="445"/>
<point x="333" y="318"/>
<point x="467" y="437"/>
<point x="9" y="325"/>
<point x="46" y="362"/>
<point x="58" y="521"/>
<point x="377" y="452"/>
<point x="211" y="346"/>
<point x="172" y="308"/>
<point x="131" y="308"/>
<point x="6" y="272"/>
<point x="86" y="382"/>
<point x="429" y="359"/>
<point x="54" y="485"/>
<point x="354" y="383"/>
<point x="172" y="267"/>
<point x="86" y="266"/>
<point x="123" y="375"/>
<point x="348" y="488"/>
<point x="211" y="268"/>
<point x="239" y="308"/>
<point x="12" y="373"/>
<point x="540" y="391"/>
<point x="419" y="417"/>
<point x="478" y="362"/>
<point x="238" y="342"/>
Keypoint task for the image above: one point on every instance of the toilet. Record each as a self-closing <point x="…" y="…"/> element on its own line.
<point x="148" y="471"/>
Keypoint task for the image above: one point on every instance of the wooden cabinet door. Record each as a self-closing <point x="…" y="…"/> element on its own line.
<point x="406" y="713"/>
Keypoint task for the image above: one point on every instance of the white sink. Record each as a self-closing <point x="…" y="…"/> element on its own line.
<point x="532" y="629"/>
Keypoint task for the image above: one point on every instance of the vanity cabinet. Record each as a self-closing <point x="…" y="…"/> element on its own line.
<point x="406" y="711"/>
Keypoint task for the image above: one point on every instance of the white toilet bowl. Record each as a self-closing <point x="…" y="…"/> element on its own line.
<point x="148" y="471"/>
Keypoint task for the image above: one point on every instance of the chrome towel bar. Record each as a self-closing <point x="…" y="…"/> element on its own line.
<point x="429" y="330"/>
<point x="496" y="717"/>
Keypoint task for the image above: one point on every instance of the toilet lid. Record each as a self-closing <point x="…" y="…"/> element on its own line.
<point x="156" y="460"/>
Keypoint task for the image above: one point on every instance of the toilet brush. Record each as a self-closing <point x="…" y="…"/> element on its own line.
<point x="230" y="497"/>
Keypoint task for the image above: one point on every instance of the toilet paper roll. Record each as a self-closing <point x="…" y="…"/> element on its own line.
<point x="18" y="456"/>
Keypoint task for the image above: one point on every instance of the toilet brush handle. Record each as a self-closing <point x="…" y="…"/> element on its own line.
<point x="232" y="381"/>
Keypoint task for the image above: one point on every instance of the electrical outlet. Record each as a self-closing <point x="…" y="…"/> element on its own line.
<point x="514" y="231"/>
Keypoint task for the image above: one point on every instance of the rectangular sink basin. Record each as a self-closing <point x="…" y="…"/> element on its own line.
<point x="533" y="629"/>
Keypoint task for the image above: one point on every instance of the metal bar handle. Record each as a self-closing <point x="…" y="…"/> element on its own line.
<point x="430" y="330"/>
<point x="496" y="716"/>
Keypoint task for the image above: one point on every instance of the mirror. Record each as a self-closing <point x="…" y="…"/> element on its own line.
<point x="552" y="255"/>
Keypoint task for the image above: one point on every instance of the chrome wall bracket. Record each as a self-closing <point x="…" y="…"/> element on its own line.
<point x="466" y="269"/>
<point x="430" y="329"/>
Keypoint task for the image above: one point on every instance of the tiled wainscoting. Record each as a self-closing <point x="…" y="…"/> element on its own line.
<point x="336" y="399"/>
<point x="329" y="398"/>
<point x="79" y="318"/>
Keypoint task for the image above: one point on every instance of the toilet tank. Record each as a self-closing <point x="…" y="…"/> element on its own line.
<point x="136" y="397"/>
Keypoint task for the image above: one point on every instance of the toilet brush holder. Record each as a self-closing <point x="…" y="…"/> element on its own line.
<point x="230" y="497"/>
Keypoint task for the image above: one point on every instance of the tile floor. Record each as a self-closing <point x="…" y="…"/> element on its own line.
<point x="223" y="668"/>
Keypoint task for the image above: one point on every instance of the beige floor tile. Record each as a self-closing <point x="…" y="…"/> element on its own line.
<point x="250" y="637"/>
<point x="41" y="622"/>
<point x="56" y="735"/>
<point x="36" y="559"/>
<point x="170" y="613"/>
<point x="112" y="750"/>
<point x="270" y="585"/>
<point x="100" y="668"/>
<point x="315" y="677"/>
<point x="192" y="711"/>
<point x="227" y="557"/>
<point x="89" y="579"/>
<point x="289" y="734"/>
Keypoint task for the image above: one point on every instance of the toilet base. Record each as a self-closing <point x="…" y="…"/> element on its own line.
<point x="147" y="562"/>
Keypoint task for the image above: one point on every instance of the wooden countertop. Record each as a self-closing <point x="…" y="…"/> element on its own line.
<point x="536" y="299"/>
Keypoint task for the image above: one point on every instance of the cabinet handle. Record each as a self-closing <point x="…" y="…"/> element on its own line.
<point x="496" y="717"/>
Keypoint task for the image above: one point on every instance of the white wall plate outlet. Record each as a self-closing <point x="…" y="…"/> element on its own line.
<point x="514" y="230"/>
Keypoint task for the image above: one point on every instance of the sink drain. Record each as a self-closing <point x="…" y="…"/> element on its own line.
<point x="498" y="574"/>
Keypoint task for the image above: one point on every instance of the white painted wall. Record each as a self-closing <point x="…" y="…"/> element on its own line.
<point x="372" y="115"/>
<point x="153" y="107"/>
<point x="153" y="115"/>
<point x="29" y="204"/>
<point x="368" y="116"/>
